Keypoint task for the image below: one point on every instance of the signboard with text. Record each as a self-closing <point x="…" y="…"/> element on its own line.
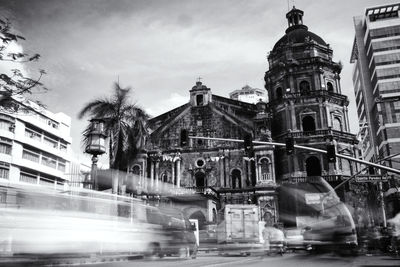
<point x="313" y="198"/>
<point x="370" y="178"/>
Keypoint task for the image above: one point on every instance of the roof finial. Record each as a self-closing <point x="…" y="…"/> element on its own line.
<point x="199" y="79"/>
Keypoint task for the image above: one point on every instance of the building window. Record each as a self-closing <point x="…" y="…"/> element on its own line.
<point x="5" y="125"/>
<point x="30" y="155"/>
<point x="61" y="166"/>
<point x="33" y="134"/>
<point x="5" y="148"/>
<point x="236" y="179"/>
<point x="313" y="166"/>
<point x="337" y="124"/>
<point x="28" y="178"/>
<point x="199" y="100"/>
<point x="63" y="147"/>
<point x="308" y="124"/>
<point x="304" y="87"/>
<point x="265" y="169"/>
<point x="329" y="86"/>
<point x="200" y="179"/>
<point x="136" y="170"/>
<point x="49" y="161"/>
<point x="50" y="142"/>
<point x="4" y="170"/>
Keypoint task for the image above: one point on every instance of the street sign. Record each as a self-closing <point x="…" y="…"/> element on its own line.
<point x="370" y="178"/>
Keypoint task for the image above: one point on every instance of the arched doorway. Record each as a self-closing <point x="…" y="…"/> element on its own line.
<point x="308" y="124"/>
<point x="200" y="179"/>
<point x="236" y="179"/>
<point x="136" y="170"/>
<point x="199" y="216"/>
<point x="313" y="166"/>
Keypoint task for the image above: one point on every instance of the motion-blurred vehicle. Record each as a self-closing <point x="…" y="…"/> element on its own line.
<point x="327" y="222"/>
<point x="333" y="232"/>
<point x="182" y="241"/>
<point x="294" y="239"/>
<point x="37" y="221"/>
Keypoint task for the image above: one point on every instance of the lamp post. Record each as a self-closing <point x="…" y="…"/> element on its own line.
<point x="95" y="146"/>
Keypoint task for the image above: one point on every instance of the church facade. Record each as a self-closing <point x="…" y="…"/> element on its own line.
<point x="222" y="170"/>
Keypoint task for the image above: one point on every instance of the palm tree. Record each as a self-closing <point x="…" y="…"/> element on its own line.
<point x="125" y="125"/>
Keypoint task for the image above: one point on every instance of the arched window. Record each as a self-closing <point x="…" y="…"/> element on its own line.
<point x="136" y="170"/>
<point x="279" y="93"/>
<point x="164" y="178"/>
<point x="199" y="100"/>
<point x="308" y="124"/>
<point x="236" y="179"/>
<point x="265" y="169"/>
<point x="329" y="86"/>
<point x="304" y="87"/>
<point x="200" y="179"/>
<point x="313" y="166"/>
<point x="337" y="124"/>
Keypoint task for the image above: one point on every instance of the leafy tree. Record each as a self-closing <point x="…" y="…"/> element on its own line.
<point x="125" y="125"/>
<point x="15" y="83"/>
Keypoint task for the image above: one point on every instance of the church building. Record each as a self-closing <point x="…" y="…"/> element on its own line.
<point x="305" y="104"/>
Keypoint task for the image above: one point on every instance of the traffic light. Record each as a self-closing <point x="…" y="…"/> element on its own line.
<point x="248" y="143"/>
<point x="331" y="153"/>
<point x="289" y="145"/>
<point x="184" y="138"/>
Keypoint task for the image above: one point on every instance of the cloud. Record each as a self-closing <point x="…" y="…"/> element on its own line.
<point x="163" y="105"/>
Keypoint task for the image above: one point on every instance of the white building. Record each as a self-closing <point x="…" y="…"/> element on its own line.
<point x="35" y="145"/>
<point x="249" y="95"/>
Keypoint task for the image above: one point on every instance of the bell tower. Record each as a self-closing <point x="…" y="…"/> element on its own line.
<point x="307" y="104"/>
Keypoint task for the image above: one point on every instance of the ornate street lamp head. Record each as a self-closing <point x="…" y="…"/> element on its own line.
<point x="96" y="138"/>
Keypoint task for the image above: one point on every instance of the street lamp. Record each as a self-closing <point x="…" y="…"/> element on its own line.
<point x="95" y="146"/>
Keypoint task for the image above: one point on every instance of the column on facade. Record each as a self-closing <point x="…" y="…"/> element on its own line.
<point x="337" y="83"/>
<point x="321" y="113"/>
<point x="288" y="117"/>
<point x="151" y="173"/>
<point x="346" y="118"/>
<point x="173" y="173"/>
<point x="321" y="79"/>
<point x="221" y="171"/>
<point x="328" y="114"/>
<point x="293" y="113"/>
<point x="178" y="173"/>
<point x="248" y="173"/>
<point x="227" y="174"/>
<point x="157" y="173"/>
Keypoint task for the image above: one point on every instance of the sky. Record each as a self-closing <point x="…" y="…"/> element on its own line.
<point x="160" y="47"/>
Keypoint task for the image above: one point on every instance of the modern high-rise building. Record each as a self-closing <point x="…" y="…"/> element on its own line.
<point x="376" y="79"/>
<point x="34" y="145"/>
